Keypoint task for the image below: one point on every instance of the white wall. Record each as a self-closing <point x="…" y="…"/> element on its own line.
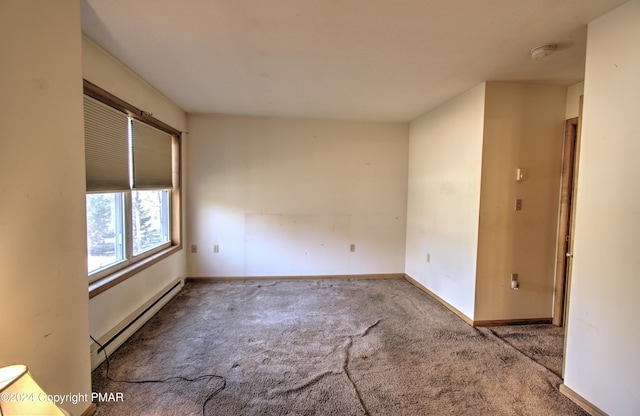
<point x="445" y="158"/>
<point x="43" y="286"/>
<point x="287" y="197"/>
<point x="603" y="338"/>
<point x="111" y="307"/>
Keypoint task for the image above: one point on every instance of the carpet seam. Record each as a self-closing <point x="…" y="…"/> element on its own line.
<point x="345" y="364"/>
<point x="524" y="353"/>
<point x="558" y="380"/>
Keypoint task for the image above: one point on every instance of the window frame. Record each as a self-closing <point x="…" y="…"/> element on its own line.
<point x="120" y="272"/>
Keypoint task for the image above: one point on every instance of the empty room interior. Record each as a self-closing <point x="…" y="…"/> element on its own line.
<point x="364" y="167"/>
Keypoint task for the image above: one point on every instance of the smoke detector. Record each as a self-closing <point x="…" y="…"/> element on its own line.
<point x="542" y="51"/>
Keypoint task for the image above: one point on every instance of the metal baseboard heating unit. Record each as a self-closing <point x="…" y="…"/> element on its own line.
<point x="130" y="322"/>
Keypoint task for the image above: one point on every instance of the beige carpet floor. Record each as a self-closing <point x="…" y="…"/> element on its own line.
<point x="542" y="343"/>
<point x="323" y="347"/>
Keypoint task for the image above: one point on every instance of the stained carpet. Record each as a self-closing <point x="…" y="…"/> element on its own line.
<point x="322" y="347"/>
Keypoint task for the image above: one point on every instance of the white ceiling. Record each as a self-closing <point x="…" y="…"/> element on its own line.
<point x="375" y="60"/>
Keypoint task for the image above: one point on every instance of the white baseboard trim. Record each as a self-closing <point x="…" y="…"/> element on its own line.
<point x="128" y="326"/>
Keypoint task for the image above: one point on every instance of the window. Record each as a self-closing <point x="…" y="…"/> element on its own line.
<point x="107" y="239"/>
<point x="105" y="231"/>
<point x="133" y="177"/>
<point x="150" y="219"/>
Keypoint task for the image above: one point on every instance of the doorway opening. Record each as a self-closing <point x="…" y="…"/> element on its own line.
<point x="565" y="229"/>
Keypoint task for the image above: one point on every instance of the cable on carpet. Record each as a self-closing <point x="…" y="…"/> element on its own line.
<point x="202" y="377"/>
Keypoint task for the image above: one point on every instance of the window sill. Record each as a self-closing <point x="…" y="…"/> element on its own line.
<point x="121" y="275"/>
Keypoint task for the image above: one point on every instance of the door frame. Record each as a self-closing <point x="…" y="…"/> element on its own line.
<point x="564" y="255"/>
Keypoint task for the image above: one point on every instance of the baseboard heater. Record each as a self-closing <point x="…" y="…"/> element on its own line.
<point x="134" y="320"/>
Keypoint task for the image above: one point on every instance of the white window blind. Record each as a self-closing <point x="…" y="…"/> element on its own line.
<point x="106" y="133"/>
<point x="152" y="158"/>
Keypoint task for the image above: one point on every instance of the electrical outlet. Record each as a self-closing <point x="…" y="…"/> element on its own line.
<point x="194" y="248"/>
<point x="518" y="204"/>
<point x="216" y="248"/>
<point x="515" y="285"/>
<point x="352" y="248"/>
<point x="428" y="257"/>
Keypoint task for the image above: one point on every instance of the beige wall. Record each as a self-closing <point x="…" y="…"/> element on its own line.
<point x="43" y="286"/>
<point x="523" y="128"/>
<point x="445" y="160"/>
<point x="287" y="197"/>
<point x="113" y="307"/>
<point x="603" y="339"/>
<point x="572" y="108"/>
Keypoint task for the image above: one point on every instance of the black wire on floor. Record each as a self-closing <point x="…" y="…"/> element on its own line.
<point x="205" y="376"/>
